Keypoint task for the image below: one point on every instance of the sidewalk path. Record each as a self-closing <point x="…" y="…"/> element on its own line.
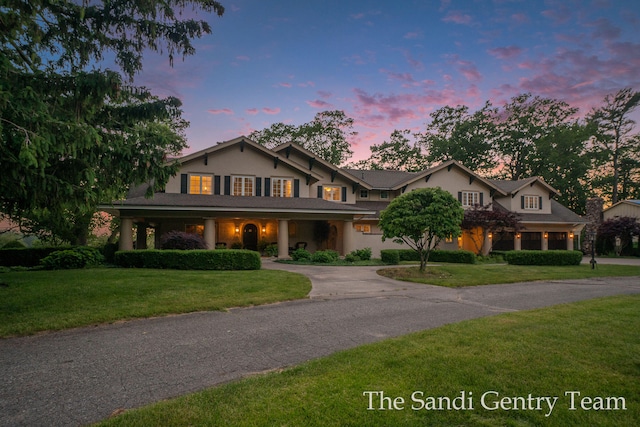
<point x="83" y="375"/>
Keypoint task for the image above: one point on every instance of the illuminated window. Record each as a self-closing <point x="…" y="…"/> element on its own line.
<point x="470" y="198"/>
<point x="332" y="193"/>
<point x="200" y="184"/>
<point x="195" y="229"/>
<point x="243" y="186"/>
<point x="363" y="228"/>
<point x="281" y="187"/>
<point x="531" y="202"/>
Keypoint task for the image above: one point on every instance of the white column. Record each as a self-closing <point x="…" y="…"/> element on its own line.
<point x="283" y="238"/>
<point x="347" y="237"/>
<point x="517" y="244"/>
<point x="545" y="241"/>
<point x="126" y="234"/>
<point x="210" y="232"/>
<point x="486" y="246"/>
<point x="570" y="236"/>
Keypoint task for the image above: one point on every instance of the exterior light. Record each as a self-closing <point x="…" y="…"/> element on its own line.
<point x="237" y="229"/>
<point x="491" y="235"/>
<point x="571" y="235"/>
<point x="546" y="235"/>
<point x="264" y="229"/>
<point x="518" y="236"/>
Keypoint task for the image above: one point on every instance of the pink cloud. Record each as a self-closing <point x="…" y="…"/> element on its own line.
<point x="319" y="104"/>
<point x="406" y="78"/>
<point x="307" y="84"/>
<point x="252" y="111"/>
<point x="458" y="17"/>
<point x="469" y="71"/>
<point x="271" y="111"/>
<point x="284" y="84"/>
<point x="505" y="52"/>
<point x="604" y="29"/>
<point x="324" y="94"/>
<point x="560" y="15"/>
<point x="221" y="111"/>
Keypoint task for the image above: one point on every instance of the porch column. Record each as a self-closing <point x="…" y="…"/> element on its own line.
<point x="545" y="241"/>
<point x="141" y="236"/>
<point x="283" y="238"/>
<point x="486" y="246"/>
<point x="570" y="241"/>
<point x="210" y="232"/>
<point x="517" y="243"/>
<point x="126" y="235"/>
<point x="347" y="237"/>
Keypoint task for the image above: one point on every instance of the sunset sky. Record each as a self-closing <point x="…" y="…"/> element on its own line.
<point x="388" y="65"/>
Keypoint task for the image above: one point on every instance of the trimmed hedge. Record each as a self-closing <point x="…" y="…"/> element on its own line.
<point x="554" y="257"/>
<point x="390" y="256"/>
<point x="219" y="259"/>
<point x="78" y="257"/>
<point x="27" y="257"/>
<point x="436" y="255"/>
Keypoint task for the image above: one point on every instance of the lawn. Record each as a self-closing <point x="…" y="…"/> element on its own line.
<point x="33" y="301"/>
<point x="458" y="275"/>
<point x="586" y="354"/>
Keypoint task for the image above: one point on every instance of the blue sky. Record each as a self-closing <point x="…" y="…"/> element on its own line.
<point x="389" y="65"/>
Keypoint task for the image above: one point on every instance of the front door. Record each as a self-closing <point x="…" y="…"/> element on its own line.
<point x="250" y="237"/>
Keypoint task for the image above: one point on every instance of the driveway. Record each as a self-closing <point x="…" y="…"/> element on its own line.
<point x="83" y="375"/>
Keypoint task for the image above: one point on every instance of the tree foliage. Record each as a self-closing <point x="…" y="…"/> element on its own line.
<point x="622" y="229"/>
<point x="399" y="153"/>
<point x="421" y="219"/>
<point x="327" y="135"/>
<point x="615" y="145"/>
<point x="74" y="135"/>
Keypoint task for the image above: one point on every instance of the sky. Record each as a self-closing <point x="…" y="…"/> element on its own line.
<point x="388" y="65"/>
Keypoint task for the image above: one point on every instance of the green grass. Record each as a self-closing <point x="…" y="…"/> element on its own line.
<point x="592" y="347"/>
<point x="33" y="301"/>
<point x="458" y="275"/>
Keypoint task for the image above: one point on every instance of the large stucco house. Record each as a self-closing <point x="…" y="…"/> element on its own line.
<point x="241" y="193"/>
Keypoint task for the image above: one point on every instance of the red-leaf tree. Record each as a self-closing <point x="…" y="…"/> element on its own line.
<point x="488" y="219"/>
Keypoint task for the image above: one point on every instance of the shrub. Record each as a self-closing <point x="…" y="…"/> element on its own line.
<point x="555" y="257"/>
<point x="390" y="256"/>
<point x="14" y="244"/>
<point x="439" y="255"/>
<point x="221" y="259"/>
<point x="301" y="255"/>
<point x="364" y="254"/>
<point x="26" y="257"/>
<point x="79" y="257"/>
<point x="182" y="241"/>
<point x="108" y="251"/>
<point x="271" y="250"/>
<point x="351" y="257"/>
<point x="325" y="257"/>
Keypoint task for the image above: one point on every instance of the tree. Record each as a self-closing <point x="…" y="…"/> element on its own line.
<point x="396" y="154"/>
<point x="488" y="219"/>
<point x="327" y="136"/>
<point x="618" y="229"/>
<point x="456" y="134"/>
<point x="614" y="142"/>
<point x="421" y="219"/>
<point x="73" y="135"/>
<point x="520" y="125"/>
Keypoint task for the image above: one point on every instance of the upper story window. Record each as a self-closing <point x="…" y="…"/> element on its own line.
<point x="470" y="198"/>
<point x="531" y="202"/>
<point x="364" y="194"/>
<point x="200" y="184"/>
<point x="332" y="193"/>
<point x="243" y="185"/>
<point x="281" y="187"/>
<point x="384" y="194"/>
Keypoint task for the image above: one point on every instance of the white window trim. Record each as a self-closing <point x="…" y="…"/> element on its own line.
<point x="200" y="175"/>
<point x="333" y="194"/>
<point x="531" y="203"/>
<point x="470" y="198"/>
<point x="280" y="183"/>
<point x="244" y="179"/>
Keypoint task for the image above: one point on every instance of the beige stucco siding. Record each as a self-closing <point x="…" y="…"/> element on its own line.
<point x="453" y="181"/>
<point x="515" y="203"/>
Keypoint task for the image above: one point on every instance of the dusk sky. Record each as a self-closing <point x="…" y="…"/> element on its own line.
<point x="388" y="65"/>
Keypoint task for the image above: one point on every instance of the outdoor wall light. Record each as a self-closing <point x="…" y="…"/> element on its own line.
<point x="571" y="235"/>
<point x="546" y="235"/>
<point x="491" y="235"/>
<point x="264" y="229"/>
<point x="237" y="229"/>
<point x="518" y="236"/>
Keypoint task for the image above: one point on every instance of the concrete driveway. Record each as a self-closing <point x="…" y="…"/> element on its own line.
<point x="83" y="375"/>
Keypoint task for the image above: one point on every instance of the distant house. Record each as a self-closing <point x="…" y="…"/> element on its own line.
<point x="629" y="208"/>
<point x="239" y="193"/>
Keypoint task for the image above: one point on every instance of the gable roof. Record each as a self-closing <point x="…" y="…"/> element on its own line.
<point x="382" y="179"/>
<point x="559" y="215"/>
<point x="631" y="202"/>
<point x="512" y="187"/>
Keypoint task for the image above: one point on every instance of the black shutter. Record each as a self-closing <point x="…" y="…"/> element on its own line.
<point x="522" y="202"/>
<point x="258" y="186"/>
<point x="227" y="185"/>
<point x="344" y="194"/>
<point x="296" y="188"/>
<point x="460" y="196"/>
<point x="216" y="185"/>
<point x="319" y="191"/>
<point x="540" y="203"/>
<point x="183" y="183"/>
<point x="481" y="199"/>
<point x="267" y="187"/>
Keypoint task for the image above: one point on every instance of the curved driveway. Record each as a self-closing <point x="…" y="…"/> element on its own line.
<point x="83" y="375"/>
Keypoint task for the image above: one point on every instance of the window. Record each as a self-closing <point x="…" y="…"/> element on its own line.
<point x="332" y="193"/>
<point x="364" y="194"/>
<point x="384" y="194"/>
<point x="194" y="229"/>
<point x="363" y="228"/>
<point x="531" y="202"/>
<point x="200" y="184"/>
<point x="243" y="186"/>
<point x="281" y="187"/>
<point x="470" y="198"/>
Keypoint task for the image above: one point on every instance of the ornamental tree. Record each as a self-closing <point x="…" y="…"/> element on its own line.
<point x="488" y="219"/>
<point x="421" y="219"/>
<point x="623" y="229"/>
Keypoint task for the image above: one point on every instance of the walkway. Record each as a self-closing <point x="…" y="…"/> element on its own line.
<point x="83" y="375"/>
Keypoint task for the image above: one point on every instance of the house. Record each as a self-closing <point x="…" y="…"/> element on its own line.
<point x="628" y="208"/>
<point x="239" y="193"/>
